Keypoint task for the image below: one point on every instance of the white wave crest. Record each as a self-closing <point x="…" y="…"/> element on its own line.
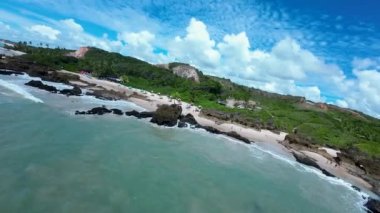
<point x="300" y="167"/>
<point x="19" y="90"/>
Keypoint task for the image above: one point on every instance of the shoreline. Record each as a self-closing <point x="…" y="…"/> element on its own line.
<point x="150" y="101"/>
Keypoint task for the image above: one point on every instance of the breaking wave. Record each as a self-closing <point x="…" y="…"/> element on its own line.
<point x="19" y="90"/>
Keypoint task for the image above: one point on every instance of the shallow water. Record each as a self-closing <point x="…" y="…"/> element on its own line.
<point x="54" y="161"/>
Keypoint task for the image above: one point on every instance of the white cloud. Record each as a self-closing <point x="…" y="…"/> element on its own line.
<point x="74" y="36"/>
<point x="365" y="95"/>
<point x="366" y="63"/>
<point x="362" y="92"/>
<point x="286" y="68"/>
<point x="71" y="24"/>
<point x="141" y="45"/>
<point x="45" y="31"/>
<point x="196" y="47"/>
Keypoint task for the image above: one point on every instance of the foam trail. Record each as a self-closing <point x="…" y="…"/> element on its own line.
<point x="301" y="167"/>
<point x="19" y="90"/>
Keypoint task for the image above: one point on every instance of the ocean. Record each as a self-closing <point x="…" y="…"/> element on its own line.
<point x="54" y="161"/>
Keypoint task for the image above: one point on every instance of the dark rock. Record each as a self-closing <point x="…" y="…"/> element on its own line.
<point x="167" y="115"/>
<point x="107" y="94"/>
<point x="60" y="77"/>
<point x="189" y="118"/>
<point x="117" y="111"/>
<point x="76" y="91"/>
<point x="355" y="188"/>
<point x="301" y="158"/>
<point x="10" y="72"/>
<point x="325" y="172"/>
<point x="337" y="160"/>
<point x="132" y="113"/>
<point x="211" y="129"/>
<point x="139" y="114"/>
<point x="373" y="205"/>
<point x="182" y="124"/>
<point x="40" y="85"/>
<point x="235" y="135"/>
<point x="145" y="114"/>
<point x="98" y="111"/>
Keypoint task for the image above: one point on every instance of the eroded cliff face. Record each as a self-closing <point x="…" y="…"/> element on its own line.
<point x="79" y="53"/>
<point x="182" y="70"/>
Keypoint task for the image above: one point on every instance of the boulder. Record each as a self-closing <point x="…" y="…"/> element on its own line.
<point x="98" y="111"/>
<point x="146" y="114"/>
<point x="182" y="124"/>
<point x="302" y="158"/>
<point x="117" y="111"/>
<point x="167" y="115"/>
<point x="132" y="113"/>
<point x="189" y="118"/>
<point x="40" y="85"/>
<point x="76" y="91"/>
<point x="373" y="205"/>
<point x="355" y="188"/>
<point x="235" y="135"/>
<point x="211" y="129"/>
<point x="10" y="72"/>
<point x="139" y="114"/>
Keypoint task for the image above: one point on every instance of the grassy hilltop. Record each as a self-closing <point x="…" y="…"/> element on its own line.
<point x="317" y="123"/>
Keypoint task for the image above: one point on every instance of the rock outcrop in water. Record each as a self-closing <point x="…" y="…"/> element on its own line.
<point x="10" y="72"/>
<point x="167" y="115"/>
<point x="235" y="135"/>
<point x="373" y="205"/>
<point x="139" y="115"/>
<point x="95" y="111"/>
<point x="100" y="111"/>
<point x="117" y="111"/>
<point x="186" y="120"/>
<point x="75" y="91"/>
<point x="40" y="85"/>
<point x="302" y="158"/>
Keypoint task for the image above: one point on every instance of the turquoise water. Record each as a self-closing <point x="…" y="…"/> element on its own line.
<point x="54" y="161"/>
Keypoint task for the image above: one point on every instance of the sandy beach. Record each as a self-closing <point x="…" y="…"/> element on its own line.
<point x="150" y="101"/>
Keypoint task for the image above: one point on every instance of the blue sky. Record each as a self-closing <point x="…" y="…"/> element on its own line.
<point x="324" y="50"/>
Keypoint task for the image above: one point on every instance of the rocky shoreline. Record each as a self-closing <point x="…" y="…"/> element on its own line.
<point x="165" y="115"/>
<point x="171" y="115"/>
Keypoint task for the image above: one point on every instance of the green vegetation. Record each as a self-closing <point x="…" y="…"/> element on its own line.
<point x="335" y="127"/>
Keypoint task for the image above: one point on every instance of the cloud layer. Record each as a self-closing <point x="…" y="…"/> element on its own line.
<point x="287" y="66"/>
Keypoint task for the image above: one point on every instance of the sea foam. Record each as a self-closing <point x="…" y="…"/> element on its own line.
<point x="19" y="90"/>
